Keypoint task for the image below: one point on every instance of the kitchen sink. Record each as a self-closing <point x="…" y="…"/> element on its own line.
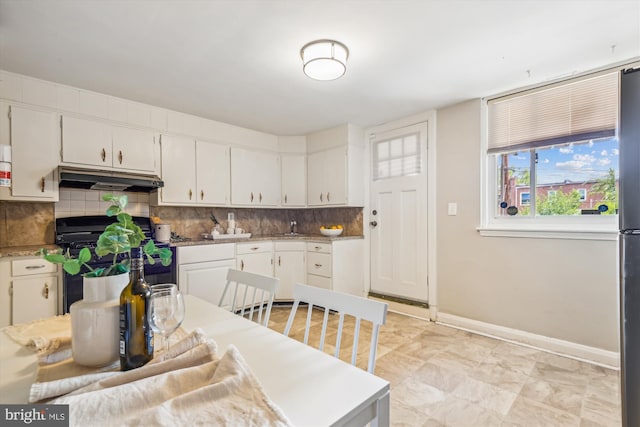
<point x="293" y="234"/>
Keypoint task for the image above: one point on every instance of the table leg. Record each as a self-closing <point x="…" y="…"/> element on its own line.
<point x="383" y="418"/>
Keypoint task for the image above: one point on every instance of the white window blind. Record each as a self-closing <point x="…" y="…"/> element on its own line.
<point x="398" y="156"/>
<point x="576" y="111"/>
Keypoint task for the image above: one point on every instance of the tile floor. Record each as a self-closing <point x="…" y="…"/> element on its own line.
<point x="442" y="376"/>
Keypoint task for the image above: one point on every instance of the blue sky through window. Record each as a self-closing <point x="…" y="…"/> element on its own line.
<point x="576" y="162"/>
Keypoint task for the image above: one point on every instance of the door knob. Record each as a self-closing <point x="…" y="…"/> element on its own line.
<point x="374" y="223"/>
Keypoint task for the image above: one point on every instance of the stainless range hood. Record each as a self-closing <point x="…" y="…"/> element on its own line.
<point x="108" y="181"/>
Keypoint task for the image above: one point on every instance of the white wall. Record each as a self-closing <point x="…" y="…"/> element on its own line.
<point x="563" y="289"/>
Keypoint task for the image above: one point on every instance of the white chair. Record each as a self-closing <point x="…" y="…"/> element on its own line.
<point x="358" y="307"/>
<point x="260" y="302"/>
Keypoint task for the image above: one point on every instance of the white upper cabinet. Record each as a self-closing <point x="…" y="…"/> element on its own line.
<point x="335" y="173"/>
<point x="194" y="172"/>
<point x="133" y="149"/>
<point x="212" y="170"/>
<point x="255" y="178"/>
<point x="94" y="143"/>
<point x="294" y="180"/>
<point x="35" y="155"/>
<point x="178" y="156"/>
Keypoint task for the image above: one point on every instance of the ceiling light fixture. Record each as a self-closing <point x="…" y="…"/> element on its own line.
<point x="324" y="59"/>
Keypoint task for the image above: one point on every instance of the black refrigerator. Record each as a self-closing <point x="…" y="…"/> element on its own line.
<point x="629" y="216"/>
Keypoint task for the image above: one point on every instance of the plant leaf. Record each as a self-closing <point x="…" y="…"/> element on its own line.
<point x="71" y="266"/>
<point x="84" y="256"/>
<point x="55" y="258"/>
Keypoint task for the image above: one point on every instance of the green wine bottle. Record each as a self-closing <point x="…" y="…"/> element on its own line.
<point x="136" y="337"/>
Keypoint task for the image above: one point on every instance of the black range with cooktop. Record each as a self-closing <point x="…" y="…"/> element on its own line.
<point x="75" y="233"/>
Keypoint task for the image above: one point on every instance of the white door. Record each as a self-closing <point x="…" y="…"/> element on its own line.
<point x="290" y="268"/>
<point x="205" y="280"/>
<point x="399" y="213"/>
<point x="86" y="142"/>
<point x="34" y="298"/>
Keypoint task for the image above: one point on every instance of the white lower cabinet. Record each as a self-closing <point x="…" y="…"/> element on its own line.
<point x="337" y="265"/>
<point x="28" y="290"/>
<point x="255" y="257"/>
<point x="290" y="267"/>
<point x="202" y="270"/>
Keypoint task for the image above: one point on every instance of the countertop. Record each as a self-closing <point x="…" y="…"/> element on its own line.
<point x="33" y="249"/>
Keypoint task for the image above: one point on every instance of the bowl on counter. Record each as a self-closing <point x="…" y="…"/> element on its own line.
<point x="331" y="232"/>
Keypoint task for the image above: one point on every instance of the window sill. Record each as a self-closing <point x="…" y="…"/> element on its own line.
<point x="550" y="233"/>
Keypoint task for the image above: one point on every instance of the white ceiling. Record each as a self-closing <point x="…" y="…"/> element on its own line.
<point x="237" y="61"/>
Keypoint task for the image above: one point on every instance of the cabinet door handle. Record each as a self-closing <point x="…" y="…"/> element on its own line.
<point x="252" y="196"/>
<point x="34" y="267"/>
<point x="45" y="291"/>
<point x="190" y="194"/>
<point x="120" y="156"/>
<point x="201" y="194"/>
<point x="321" y="198"/>
<point x="42" y="183"/>
<point x="279" y="260"/>
<point x="328" y="197"/>
<point x="103" y="154"/>
<point x="285" y="198"/>
<point x="241" y="264"/>
<point x="260" y="197"/>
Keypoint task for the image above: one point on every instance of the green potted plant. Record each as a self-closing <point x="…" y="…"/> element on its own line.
<point x="117" y="238"/>
<point x="95" y="318"/>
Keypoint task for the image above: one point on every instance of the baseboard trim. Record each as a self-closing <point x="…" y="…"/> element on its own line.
<point x="606" y="358"/>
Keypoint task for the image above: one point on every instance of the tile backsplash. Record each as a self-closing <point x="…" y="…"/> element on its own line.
<point x="75" y="202"/>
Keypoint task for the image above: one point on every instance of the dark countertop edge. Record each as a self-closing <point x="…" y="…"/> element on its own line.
<point x="27" y="250"/>
<point x="276" y="237"/>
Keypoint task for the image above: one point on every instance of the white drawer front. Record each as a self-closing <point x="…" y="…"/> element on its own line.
<point x="252" y="248"/>
<point x="204" y="253"/>
<point x="318" y="281"/>
<point x="290" y="246"/>
<point x="25" y="267"/>
<point x="324" y="248"/>
<point x="319" y="264"/>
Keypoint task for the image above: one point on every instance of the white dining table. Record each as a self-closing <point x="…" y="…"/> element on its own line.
<point x="311" y="387"/>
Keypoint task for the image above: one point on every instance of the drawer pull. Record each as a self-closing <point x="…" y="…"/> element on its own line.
<point x="46" y="291"/>
<point x="103" y="154"/>
<point x="120" y="156"/>
<point x="318" y="265"/>
<point x="317" y="248"/>
<point x="255" y="248"/>
<point x="34" y="267"/>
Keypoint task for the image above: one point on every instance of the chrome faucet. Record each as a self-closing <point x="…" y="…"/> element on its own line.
<point x="293" y="226"/>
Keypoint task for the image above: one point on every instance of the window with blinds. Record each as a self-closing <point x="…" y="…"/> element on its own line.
<point x="555" y="149"/>
<point x="398" y="156"/>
